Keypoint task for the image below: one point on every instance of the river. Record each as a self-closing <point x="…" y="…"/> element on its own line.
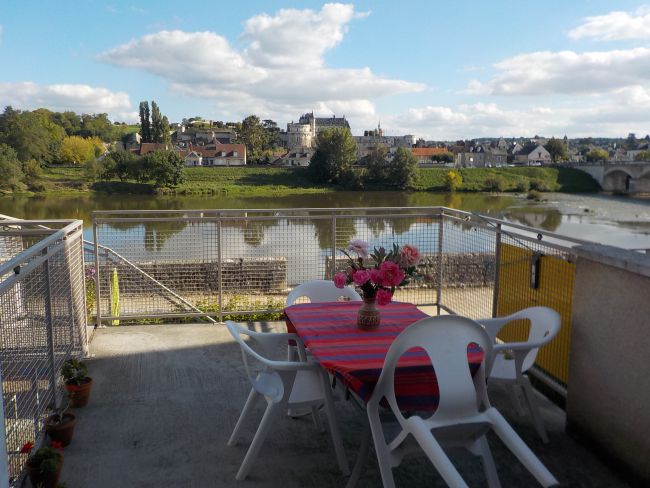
<point x="617" y="221"/>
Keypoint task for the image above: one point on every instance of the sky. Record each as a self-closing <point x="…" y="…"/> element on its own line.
<point x="441" y="70"/>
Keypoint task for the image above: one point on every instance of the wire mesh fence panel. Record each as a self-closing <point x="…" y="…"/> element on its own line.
<point x="42" y="323"/>
<point x="467" y="266"/>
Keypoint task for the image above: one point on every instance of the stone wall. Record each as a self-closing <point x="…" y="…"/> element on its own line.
<point x="252" y="275"/>
<point x="458" y="269"/>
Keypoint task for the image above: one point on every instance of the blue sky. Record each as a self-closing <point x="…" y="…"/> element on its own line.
<point x="439" y="70"/>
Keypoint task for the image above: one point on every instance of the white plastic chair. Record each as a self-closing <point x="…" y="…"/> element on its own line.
<point x="464" y="413"/>
<point x="283" y="384"/>
<point x="512" y="359"/>
<point x="321" y="291"/>
<point x="318" y="291"/>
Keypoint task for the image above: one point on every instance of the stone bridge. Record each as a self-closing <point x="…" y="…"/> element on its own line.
<point x="618" y="176"/>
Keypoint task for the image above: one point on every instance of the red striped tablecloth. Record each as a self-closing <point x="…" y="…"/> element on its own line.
<point x="356" y="356"/>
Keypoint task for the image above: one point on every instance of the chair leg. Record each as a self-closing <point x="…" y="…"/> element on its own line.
<point x="513" y="394"/>
<point x="253" y="396"/>
<point x="519" y="448"/>
<point x="489" y="468"/>
<point x="315" y="414"/>
<point x="362" y="457"/>
<point x="258" y="440"/>
<point x="436" y="454"/>
<point x="533" y="406"/>
<point x="381" y="449"/>
<point x="334" y="427"/>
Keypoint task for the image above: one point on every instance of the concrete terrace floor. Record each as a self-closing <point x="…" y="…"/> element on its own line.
<point x="166" y="399"/>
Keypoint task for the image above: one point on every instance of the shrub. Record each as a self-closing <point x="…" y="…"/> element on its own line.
<point x="539" y="185"/>
<point x="453" y="180"/>
<point x="534" y="195"/>
<point x="494" y="184"/>
<point x="522" y="186"/>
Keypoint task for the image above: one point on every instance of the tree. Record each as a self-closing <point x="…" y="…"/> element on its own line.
<point x="377" y="164"/>
<point x="335" y="154"/>
<point x="254" y="136"/>
<point x="403" y="169"/>
<point x="32" y="134"/>
<point x="165" y="168"/>
<point x="156" y="123"/>
<point x="97" y="125"/>
<point x="10" y="168"/>
<point x="557" y="149"/>
<point x="145" y="124"/>
<point x="596" y="155"/>
<point x="643" y="156"/>
<point x="69" y="121"/>
<point x="445" y="157"/>
<point x="630" y="142"/>
<point x="453" y="180"/>
<point x="119" y="164"/>
<point x="80" y="150"/>
<point x="166" y="136"/>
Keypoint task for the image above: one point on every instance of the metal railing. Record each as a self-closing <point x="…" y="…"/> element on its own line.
<point x="42" y="323"/>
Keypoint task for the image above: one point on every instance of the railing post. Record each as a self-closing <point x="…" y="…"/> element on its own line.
<point x="98" y="293"/>
<point x="4" y="459"/>
<point x="220" y="267"/>
<point x="440" y="274"/>
<point x="497" y="268"/>
<point x="333" y="263"/>
<point x="50" y="329"/>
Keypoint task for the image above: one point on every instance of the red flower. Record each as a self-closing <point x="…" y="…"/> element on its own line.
<point x="384" y="297"/>
<point x="27" y="448"/>
<point x="391" y="274"/>
<point x="56" y="445"/>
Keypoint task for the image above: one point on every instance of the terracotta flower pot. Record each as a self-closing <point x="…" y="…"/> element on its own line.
<point x="61" y="431"/>
<point x="79" y="394"/>
<point x="40" y="480"/>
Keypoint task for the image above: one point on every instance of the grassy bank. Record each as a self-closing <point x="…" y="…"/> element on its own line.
<point x="265" y="181"/>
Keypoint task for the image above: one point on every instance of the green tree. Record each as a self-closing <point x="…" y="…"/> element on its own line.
<point x="156" y="123"/>
<point x="119" y="164"/>
<point x="445" y="157"/>
<point x="453" y="180"/>
<point x="403" y="169"/>
<point x="643" y="156"/>
<point x="631" y="142"/>
<point x="254" y="136"/>
<point x="596" y="155"/>
<point x="377" y="165"/>
<point x="166" y="136"/>
<point x="69" y="121"/>
<point x="557" y="149"/>
<point x="165" y="168"/>
<point x="10" y="170"/>
<point x="32" y="134"/>
<point x="335" y="154"/>
<point x="145" y="124"/>
<point x="97" y="125"/>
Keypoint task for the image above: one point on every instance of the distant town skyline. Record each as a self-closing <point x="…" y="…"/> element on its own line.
<point x="437" y="70"/>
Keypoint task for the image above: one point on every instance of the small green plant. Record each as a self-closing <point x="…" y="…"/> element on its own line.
<point x="522" y="186"/>
<point x="534" y="195"/>
<point x="494" y="183"/>
<point x="74" y="372"/>
<point x="46" y="460"/>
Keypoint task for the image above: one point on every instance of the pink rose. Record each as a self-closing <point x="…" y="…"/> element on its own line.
<point x="391" y="274"/>
<point x="383" y="297"/>
<point x="409" y="255"/>
<point x="375" y="276"/>
<point x="340" y="280"/>
<point x="361" y="276"/>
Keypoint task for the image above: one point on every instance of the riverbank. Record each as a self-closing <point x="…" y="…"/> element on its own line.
<point x="266" y="181"/>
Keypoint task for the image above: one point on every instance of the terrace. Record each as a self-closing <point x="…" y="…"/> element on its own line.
<point x="167" y="394"/>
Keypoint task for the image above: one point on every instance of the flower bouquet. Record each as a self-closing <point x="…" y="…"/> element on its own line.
<point x="376" y="274"/>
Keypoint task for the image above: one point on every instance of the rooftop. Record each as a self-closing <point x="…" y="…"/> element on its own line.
<point x="167" y="397"/>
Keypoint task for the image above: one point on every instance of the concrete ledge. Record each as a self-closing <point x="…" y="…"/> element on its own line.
<point x="632" y="261"/>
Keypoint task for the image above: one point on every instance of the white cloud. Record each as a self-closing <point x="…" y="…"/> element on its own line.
<point x="280" y="69"/>
<point x="615" y="26"/>
<point x="614" y="115"/>
<point x="79" y="98"/>
<point x="567" y="72"/>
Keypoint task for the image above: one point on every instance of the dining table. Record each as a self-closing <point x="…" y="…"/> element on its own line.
<point x="356" y="356"/>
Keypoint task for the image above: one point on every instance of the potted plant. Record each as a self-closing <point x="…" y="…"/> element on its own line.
<point x="77" y="382"/>
<point x="44" y="466"/>
<point x="60" y="425"/>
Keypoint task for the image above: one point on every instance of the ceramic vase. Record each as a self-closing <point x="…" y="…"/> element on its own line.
<point x="368" y="315"/>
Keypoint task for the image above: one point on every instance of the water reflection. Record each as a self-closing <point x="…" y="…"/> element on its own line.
<point x="626" y="218"/>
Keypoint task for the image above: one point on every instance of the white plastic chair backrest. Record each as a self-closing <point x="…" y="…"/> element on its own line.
<point x="321" y="291"/>
<point x="544" y="325"/>
<point x="445" y="340"/>
<point x="271" y="383"/>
